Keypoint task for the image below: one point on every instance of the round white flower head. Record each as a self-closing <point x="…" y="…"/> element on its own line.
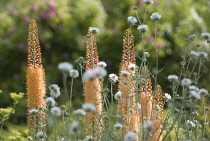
<point x="118" y="95"/>
<point x="88" y="75"/>
<point x="130" y="136"/>
<point x="142" y="28"/>
<point x="74" y="73"/>
<point x="193" y="88"/>
<point x="100" y="71"/>
<point x="94" y="30"/>
<point x="173" y="78"/>
<point x="203" y="55"/>
<point x="155" y="16"/>
<point x="132" y="20"/>
<point x="80" y="112"/>
<point x="50" y="101"/>
<point x="147" y="54"/>
<point x="118" y="125"/>
<point x="65" y="67"/>
<point x="33" y="111"/>
<point x="148" y="124"/>
<point x="113" y="77"/>
<point x="149" y="1"/>
<point x="186" y="82"/>
<point x="89" y="107"/>
<point x="54" y="91"/>
<point x="102" y="64"/>
<point x="167" y="97"/>
<point x="203" y="92"/>
<point x="205" y="35"/>
<point x="194" y="54"/>
<point x="55" y="111"/>
<point x="74" y="127"/>
<point x="41" y="135"/>
<point x="191" y="124"/>
<point x="132" y="66"/>
<point x="195" y="94"/>
<point x="88" y="138"/>
<point x="125" y="73"/>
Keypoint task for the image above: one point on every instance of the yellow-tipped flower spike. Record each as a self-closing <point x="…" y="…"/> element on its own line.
<point x="35" y="80"/>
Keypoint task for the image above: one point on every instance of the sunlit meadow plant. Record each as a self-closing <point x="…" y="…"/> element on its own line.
<point x="135" y="112"/>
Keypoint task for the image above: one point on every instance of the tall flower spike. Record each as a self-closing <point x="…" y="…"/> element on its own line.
<point x="35" y="80"/>
<point x="126" y="105"/>
<point x="157" y="115"/>
<point x="93" y="90"/>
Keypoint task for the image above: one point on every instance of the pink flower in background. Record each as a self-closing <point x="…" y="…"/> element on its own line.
<point x="51" y="14"/>
<point x="14" y="12"/>
<point x="21" y="46"/>
<point x="14" y="30"/>
<point x="43" y="15"/>
<point x="52" y="6"/>
<point x="7" y="41"/>
<point x="160" y="45"/>
<point x="26" y="19"/>
<point x="114" y="30"/>
<point x="33" y="7"/>
<point x="150" y="39"/>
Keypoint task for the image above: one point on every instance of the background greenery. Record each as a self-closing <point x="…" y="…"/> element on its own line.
<point x="63" y="25"/>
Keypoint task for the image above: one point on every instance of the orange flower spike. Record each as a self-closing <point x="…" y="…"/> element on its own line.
<point x="157" y="115"/>
<point x="35" y="80"/>
<point x="126" y="105"/>
<point x="93" y="89"/>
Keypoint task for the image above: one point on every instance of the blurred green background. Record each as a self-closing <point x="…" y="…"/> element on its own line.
<point x="63" y="25"/>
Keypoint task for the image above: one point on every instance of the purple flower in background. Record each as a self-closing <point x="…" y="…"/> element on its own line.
<point x="14" y="12"/>
<point x="26" y="19"/>
<point x="52" y="6"/>
<point x="33" y="7"/>
<point x="13" y="30"/>
<point x="43" y="15"/>
<point x="150" y="39"/>
<point x="51" y="14"/>
<point x="21" y="46"/>
<point x="7" y="41"/>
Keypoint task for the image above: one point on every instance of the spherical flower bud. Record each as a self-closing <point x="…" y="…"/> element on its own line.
<point x="80" y="112"/>
<point x="33" y="111"/>
<point x="195" y="94"/>
<point x="74" y="127"/>
<point x="74" y="73"/>
<point x="155" y="16"/>
<point x="94" y="30"/>
<point x="54" y="91"/>
<point x="203" y="92"/>
<point x="149" y="1"/>
<point x="41" y="135"/>
<point x="50" y="101"/>
<point x="102" y="64"/>
<point x="186" y="82"/>
<point x="118" y="125"/>
<point x="130" y="136"/>
<point x="113" y="77"/>
<point x="55" y="111"/>
<point x="125" y="73"/>
<point x="205" y="35"/>
<point x="132" y="20"/>
<point x="167" y="97"/>
<point x="89" y="107"/>
<point x="173" y="78"/>
<point x="118" y="95"/>
<point x="65" y="67"/>
<point x="142" y="28"/>
<point x="132" y="66"/>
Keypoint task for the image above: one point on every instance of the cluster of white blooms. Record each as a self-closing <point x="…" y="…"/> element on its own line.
<point x="191" y="124"/>
<point x="50" y="101"/>
<point x="197" y="54"/>
<point x="65" y="67"/>
<point x="132" y="20"/>
<point x="74" y="73"/>
<point x="113" y="77"/>
<point x="88" y="138"/>
<point x="173" y="78"/>
<point x="33" y="111"/>
<point x="142" y="28"/>
<point x="193" y="88"/>
<point x="54" y="91"/>
<point x="205" y="35"/>
<point x="41" y="135"/>
<point x="125" y="73"/>
<point x="132" y="66"/>
<point x="102" y="64"/>
<point x="195" y="94"/>
<point x="148" y="124"/>
<point x="89" y="107"/>
<point x="80" y="112"/>
<point x="130" y="136"/>
<point x="74" y="127"/>
<point x="155" y="16"/>
<point x="167" y="97"/>
<point x="55" y="111"/>
<point x="186" y="82"/>
<point x="203" y="92"/>
<point x="94" y="30"/>
<point x="118" y="125"/>
<point x="96" y="72"/>
<point x="149" y="1"/>
<point x="118" y="95"/>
